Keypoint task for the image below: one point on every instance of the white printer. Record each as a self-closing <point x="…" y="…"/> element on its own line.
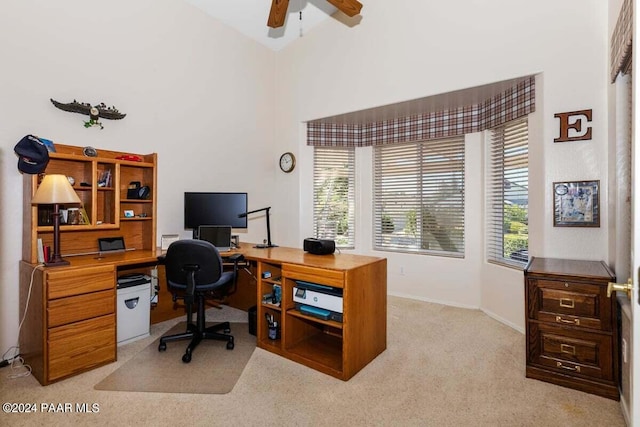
<point x="320" y="301"/>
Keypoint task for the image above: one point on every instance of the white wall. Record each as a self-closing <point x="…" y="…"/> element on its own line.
<point x="404" y="50"/>
<point x="194" y="91"/>
<point x="197" y="93"/>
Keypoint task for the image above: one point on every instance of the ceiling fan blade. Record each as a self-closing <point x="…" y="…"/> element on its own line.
<point x="278" y="13"/>
<point x="348" y="7"/>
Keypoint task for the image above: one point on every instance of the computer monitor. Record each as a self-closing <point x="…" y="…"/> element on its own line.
<point x="211" y="208"/>
<point x="218" y="235"/>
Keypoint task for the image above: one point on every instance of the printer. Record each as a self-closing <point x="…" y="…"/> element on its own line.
<point x="324" y="302"/>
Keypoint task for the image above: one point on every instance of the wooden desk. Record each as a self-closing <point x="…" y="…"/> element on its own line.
<point x="70" y="326"/>
<point x="339" y="349"/>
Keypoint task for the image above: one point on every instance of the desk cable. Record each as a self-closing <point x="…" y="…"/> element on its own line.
<point x="16" y="359"/>
<point x="245" y="268"/>
<point x="155" y="285"/>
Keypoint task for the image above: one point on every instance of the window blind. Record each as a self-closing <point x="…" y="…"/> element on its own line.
<point x="334" y="195"/>
<point x="419" y="197"/>
<point x="508" y="194"/>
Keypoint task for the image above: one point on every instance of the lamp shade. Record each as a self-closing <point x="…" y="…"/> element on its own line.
<point x="55" y="189"/>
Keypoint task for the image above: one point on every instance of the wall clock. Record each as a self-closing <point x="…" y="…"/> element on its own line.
<point x="287" y="162"/>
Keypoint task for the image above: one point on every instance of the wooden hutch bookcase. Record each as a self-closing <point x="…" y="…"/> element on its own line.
<point x="104" y="204"/>
<point x="70" y="321"/>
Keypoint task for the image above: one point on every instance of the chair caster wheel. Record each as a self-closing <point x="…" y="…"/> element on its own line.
<point x="162" y="347"/>
<point x="230" y="345"/>
<point x="226" y="331"/>
<point x="186" y="358"/>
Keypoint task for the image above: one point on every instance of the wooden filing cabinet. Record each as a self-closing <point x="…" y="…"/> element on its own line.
<point x="70" y="324"/>
<point x="571" y="325"/>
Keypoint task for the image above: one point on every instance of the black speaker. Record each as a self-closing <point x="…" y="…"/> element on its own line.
<point x="144" y="192"/>
<point x="132" y="190"/>
<point x="319" y="246"/>
<point x="135" y="191"/>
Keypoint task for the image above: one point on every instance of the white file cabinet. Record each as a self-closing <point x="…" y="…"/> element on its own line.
<point x="134" y="311"/>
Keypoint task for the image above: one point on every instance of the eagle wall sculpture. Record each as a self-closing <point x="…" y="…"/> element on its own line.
<point x="95" y="112"/>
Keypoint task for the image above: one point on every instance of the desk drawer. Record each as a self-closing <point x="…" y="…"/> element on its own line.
<point x="69" y="282"/>
<point x="570" y="303"/>
<point x="314" y="275"/>
<point x="80" y="346"/>
<point x="80" y="307"/>
<point x="571" y="351"/>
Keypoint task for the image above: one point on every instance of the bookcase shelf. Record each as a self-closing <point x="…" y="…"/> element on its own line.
<point x="101" y="184"/>
<point x="331" y="323"/>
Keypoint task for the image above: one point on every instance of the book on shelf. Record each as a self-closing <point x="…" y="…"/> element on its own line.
<point x="105" y="179"/>
<point x="45" y="215"/>
<point x="40" y="251"/>
<point x="84" y="218"/>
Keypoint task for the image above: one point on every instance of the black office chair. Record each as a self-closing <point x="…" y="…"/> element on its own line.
<point x="194" y="273"/>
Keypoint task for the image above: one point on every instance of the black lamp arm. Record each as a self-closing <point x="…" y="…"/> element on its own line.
<point x="269" y="244"/>
<point x="242" y="215"/>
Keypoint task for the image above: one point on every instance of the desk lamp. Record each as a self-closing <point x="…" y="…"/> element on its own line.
<point x="55" y="189"/>
<point x="268" y="243"/>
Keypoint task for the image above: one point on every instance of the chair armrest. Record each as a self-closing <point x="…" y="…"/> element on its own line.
<point x="235" y="258"/>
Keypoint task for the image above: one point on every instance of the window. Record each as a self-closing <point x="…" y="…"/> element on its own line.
<point x="419" y="197"/>
<point x="334" y="195"/>
<point x="508" y="194"/>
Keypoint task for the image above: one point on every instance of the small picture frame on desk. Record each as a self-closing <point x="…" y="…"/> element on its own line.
<point x="129" y="214"/>
<point x="168" y="239"/>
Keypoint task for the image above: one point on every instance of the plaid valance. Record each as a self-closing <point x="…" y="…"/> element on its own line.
<point x="621" y="41"/>
<point x="512" y="104"/>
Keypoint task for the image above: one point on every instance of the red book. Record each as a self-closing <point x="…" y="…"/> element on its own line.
<point x="47" y="253"/>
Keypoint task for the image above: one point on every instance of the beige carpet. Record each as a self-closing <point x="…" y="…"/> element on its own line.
<point x="213" y="369"/>
<point x="444" y="366"/>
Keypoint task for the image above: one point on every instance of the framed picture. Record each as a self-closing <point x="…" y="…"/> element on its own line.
<point x="576" y="204"/>
<point x="168" y="239"/>
<point x="128" y="214"/>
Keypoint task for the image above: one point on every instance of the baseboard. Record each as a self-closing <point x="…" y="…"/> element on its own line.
<point x="626" y="411"/>
<point x="449" y="303"/>
<point x="504" y="321"/>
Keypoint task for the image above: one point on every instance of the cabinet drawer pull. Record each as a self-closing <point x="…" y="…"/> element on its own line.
<point x="573" y="322"/>
<point x="569" y="368"/>
<point x="569" y="349"/>
<point x="567" y="303"/>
